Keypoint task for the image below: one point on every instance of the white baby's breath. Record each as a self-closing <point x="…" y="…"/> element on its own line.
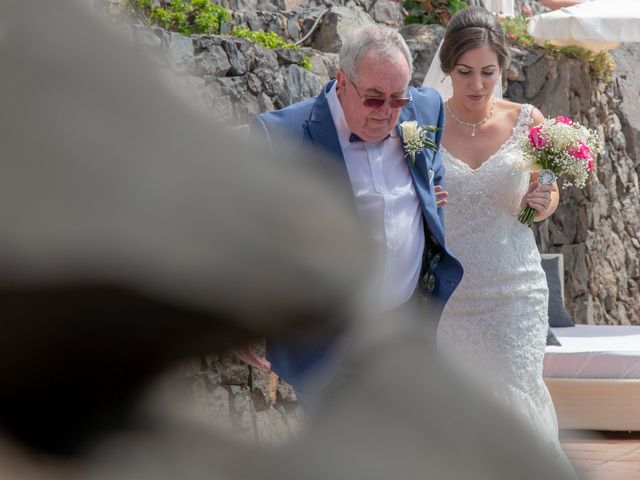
<point x="561" y="135"/>
<point x="563" y="147"/>
<point x="555" y="155"/>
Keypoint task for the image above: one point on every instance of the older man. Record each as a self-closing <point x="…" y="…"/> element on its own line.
<point x="356" y="119"/>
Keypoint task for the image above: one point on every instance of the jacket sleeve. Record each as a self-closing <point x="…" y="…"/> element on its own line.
<point x="259" y="131"/>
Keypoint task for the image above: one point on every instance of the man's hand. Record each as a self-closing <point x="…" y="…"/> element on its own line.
<point x="441" y="196"/>
<point x="246" y="355"/>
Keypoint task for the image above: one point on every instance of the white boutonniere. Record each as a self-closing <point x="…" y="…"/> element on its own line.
<point x="415" y="139"/>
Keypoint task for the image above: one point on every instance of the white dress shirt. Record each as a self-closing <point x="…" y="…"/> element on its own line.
<point x="387" y="201"/>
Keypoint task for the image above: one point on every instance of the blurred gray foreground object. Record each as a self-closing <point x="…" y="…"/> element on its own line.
<point x="404" y="416"/>
<point x="135" y="231"/>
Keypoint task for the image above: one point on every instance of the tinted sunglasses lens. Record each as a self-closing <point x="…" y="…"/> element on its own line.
<point x="374" y="102"/>
<point x="394" y="102"/>
<point x="400" y="102"/>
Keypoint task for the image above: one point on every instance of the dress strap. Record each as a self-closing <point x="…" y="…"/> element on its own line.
<point x="524" y="119"/>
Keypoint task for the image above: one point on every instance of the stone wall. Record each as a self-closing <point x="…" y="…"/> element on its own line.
<point x="246" y="403"/>
<point x="598" y="228"/>
<point x="236" y="79"/>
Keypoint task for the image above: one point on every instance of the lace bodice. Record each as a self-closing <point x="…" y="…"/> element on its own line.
<point x="496" y="320"/>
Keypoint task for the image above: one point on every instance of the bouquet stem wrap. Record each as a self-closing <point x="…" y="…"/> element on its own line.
<point x="528" y="214"/>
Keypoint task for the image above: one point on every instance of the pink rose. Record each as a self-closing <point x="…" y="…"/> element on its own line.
<point x="590" y="166"/>
<point x="580" y="151"/>
<point x="537" y="140"/>
<point x="565" y="120"/>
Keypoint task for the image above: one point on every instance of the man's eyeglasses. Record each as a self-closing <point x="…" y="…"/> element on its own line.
<point x="375" y="102"/>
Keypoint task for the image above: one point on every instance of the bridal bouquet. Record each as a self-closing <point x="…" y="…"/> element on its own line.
<point x="559" y="146"/>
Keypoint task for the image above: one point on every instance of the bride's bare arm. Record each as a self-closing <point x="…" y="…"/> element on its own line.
<point x="542" y="198"/>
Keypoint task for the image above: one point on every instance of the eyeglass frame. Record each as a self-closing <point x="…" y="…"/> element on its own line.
<point x="379" y="102"/>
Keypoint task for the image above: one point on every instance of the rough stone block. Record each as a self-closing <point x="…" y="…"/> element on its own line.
<point x="301" y="84"/>
<point x="387" y="11"/>
<point x="263" y="388"/>
<point x="213" y="61"/>
<point x="233" y="371"/>
<point x="179" y="51"/>
<point x="335" y="25"/>
<point x="423" y="41"/>
<point x="237" y="63"/>
<point x="271" y="427"/>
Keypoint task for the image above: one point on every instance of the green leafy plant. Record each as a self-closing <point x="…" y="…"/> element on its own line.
<point x="270" y="40"/>
<point x="431" y="11"/>
<point x="306" y="63"/>
<point x="190" y="17"/>
<point x="142" y="4"/>
<point x="601" y="63"/>
<point x="515" y="31"/>
<point x="184" y="16"/>
<point x="266" y="39"/>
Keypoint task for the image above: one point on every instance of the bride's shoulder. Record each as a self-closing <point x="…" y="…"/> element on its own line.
<point x="519" y="112"/>
<point x="508" y="108"/>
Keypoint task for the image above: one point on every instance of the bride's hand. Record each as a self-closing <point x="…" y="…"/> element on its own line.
<point x="441" y="196"/>
<point x="539" y="197"/>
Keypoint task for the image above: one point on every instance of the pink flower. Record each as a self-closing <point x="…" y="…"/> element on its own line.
<point x="580" y="151"/>
<point x="537" y="140"/>
<point x="511" y="36"/>
<point x="565" y="120"/>
<point x="590" y="166"/>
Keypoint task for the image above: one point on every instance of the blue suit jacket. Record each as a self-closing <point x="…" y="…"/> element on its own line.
<point x="311" y="122"/>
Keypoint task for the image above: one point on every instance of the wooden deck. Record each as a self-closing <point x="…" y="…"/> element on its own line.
<point x="603" y="455"/>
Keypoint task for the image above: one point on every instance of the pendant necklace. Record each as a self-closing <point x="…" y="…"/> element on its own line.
<point x="468" y="124"/>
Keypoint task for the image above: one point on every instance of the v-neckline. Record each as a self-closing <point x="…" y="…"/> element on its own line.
<point x="465" y="164"/>
<point x="521" y="115"/>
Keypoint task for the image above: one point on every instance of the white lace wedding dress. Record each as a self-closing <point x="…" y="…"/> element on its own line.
<point x="495" y="324"/>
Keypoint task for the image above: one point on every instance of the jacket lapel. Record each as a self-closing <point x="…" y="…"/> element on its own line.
<point x="420" y="176"/>
<point x="321" y="129"/>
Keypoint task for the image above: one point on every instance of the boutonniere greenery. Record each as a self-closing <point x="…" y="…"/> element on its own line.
<point x="415" y="139"/>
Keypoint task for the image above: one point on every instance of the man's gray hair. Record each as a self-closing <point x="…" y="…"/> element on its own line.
<point x="384" y="41"/>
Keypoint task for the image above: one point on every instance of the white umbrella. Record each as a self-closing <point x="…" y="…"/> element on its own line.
<point x="596" y="25"/>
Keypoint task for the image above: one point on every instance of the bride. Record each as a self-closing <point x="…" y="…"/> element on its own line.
<point x="495" y="324"/>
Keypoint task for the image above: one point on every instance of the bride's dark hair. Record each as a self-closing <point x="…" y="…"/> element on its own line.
<point x="471" y="28"/>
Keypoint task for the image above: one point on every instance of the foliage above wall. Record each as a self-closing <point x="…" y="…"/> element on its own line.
<point x="600" y="63"/>
<point x="431" y="11"/>
<point x="182" y="16"/>
<point x="190" y="17"/>
<point x="269" y="40"/>
<point x="266" y="39"/>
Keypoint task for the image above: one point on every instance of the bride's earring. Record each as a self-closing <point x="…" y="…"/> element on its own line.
<point x="444" y="77"/>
